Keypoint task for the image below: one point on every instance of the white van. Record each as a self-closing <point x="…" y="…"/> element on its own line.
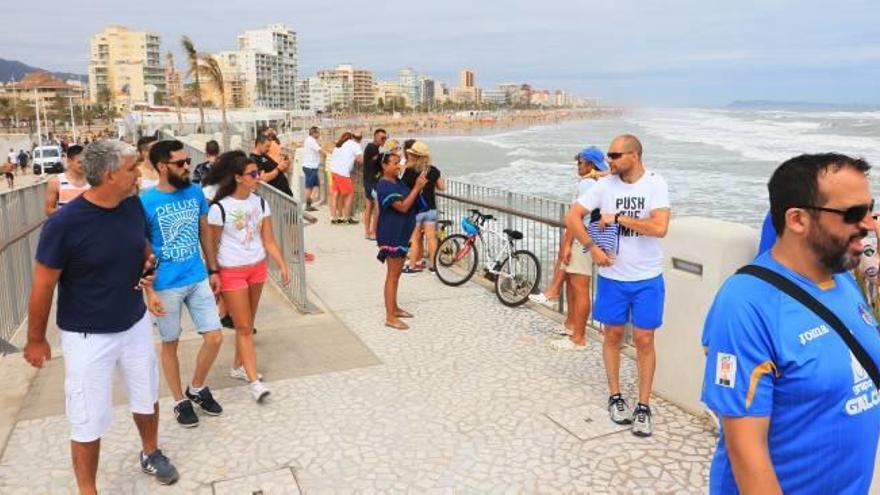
<point x="48" y="159"/>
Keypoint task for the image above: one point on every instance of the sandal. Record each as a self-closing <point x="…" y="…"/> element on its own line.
<point x="397" y="326"/>
<point x="402" y="313"/>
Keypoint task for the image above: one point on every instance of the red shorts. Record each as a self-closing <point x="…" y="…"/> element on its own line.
<point x="241" y="277"/>
<point x="342" y="185"/>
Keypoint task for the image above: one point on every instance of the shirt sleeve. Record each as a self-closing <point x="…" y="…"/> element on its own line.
<point x="660" y="193"/>
<point x="203" y="202"/>
<point x="740" y="367"/>
<point x="387" y="194"/>
<point x="433" y="174"/>
<point x="591" y="198"/>
<point x="312" y="145"/>
<point x="52" y="249"/>
<point x="214" y="216"/>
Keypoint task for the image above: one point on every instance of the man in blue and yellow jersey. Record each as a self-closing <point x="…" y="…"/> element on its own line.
<point x="798" y="411"/>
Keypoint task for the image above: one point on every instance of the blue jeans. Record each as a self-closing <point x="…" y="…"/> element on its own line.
<point x="199" y="301"/>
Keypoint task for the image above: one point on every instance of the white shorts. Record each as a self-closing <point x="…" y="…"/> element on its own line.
<point x="89" y="363"/>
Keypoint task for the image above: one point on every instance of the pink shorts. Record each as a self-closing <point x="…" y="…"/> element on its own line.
<point x="241" y="277"/>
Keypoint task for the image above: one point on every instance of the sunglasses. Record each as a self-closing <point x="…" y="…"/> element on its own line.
<point x="253" y="173"/>
<point x="180" y="163"/>
<point x="614" y="155"/>
<point x="851" y="215"/>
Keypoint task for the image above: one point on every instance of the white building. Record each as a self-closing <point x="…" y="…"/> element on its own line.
<point x="266" y="63"/>
<point x="495" y="97"/>
<point x="409" y="85"/>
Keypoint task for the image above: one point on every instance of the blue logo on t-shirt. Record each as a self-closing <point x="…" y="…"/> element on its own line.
<point x="174" y="234"/>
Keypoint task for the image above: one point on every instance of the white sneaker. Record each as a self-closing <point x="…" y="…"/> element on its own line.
<point x="566" y="345"/>
<point x="240" y="374"/>
<point x="540" y="298"/>
<point x="259" y="391"/>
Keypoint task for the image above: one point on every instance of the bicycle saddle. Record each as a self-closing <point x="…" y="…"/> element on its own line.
<point x="513" y="234"/>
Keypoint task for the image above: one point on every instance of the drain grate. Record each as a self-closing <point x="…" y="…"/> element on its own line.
<point x="278" y="482"/>
<point x="585" y="422"/>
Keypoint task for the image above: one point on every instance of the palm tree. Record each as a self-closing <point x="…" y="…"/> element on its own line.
<point x="193" y="59"/>
<point x="175" y="93"/>
<point x="211" y="69"/>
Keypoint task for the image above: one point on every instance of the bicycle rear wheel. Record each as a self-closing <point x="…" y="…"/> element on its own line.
<point x="517" y="277"/>
<point x="456" y="260"/>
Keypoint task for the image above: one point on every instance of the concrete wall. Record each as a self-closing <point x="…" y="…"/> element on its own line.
<point x="15" y="141"/>
<point x="700" y="253"/>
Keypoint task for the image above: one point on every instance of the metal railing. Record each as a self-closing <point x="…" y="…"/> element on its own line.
<point x="21" y="216"/>
<point x="541" y="220"/>
<point x="287" y="224"/>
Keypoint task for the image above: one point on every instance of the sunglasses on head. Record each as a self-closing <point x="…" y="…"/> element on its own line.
<point x="614" y="155"/>
<point x="180" y="163"/>
<point x="851" y="215"/>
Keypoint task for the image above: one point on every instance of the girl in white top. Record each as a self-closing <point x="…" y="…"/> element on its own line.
<point x="240" y="238"/>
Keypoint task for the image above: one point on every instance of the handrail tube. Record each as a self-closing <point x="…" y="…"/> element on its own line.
<point x="503" y="209"/>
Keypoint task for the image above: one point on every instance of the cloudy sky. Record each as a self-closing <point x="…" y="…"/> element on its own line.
<point x="670" y="52"/>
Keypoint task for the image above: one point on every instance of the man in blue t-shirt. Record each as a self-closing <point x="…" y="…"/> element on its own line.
<point x="798" y="411"/>
<point x="176" y="212"/>
<point x="94" y="250"/>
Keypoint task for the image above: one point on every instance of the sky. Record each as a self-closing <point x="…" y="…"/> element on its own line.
<point x="669" y="52"/>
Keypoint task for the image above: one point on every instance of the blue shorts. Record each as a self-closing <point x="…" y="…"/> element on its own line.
<point x="311" y="177"/>
<point x="429" y="217"/>
<point x="199" y="301"/>
<point x="639" y="303"/>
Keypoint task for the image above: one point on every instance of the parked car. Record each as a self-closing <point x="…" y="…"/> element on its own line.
<point x="48" y="159"/>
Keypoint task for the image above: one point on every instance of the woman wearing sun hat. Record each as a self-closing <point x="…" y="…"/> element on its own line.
<point x="418" y="162"/>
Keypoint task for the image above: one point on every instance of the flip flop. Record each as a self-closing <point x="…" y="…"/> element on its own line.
<point x="401" y="313"/>
<point x="397" y="326"/>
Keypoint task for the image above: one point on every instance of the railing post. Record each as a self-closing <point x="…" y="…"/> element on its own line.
<point x="562" y="295"/>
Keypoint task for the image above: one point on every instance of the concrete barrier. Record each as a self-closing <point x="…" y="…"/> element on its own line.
<point x="700" y="253"/>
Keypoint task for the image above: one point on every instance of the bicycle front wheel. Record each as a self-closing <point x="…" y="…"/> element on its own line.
<point x="455" y="260"/>
<point x="517" y="277"/>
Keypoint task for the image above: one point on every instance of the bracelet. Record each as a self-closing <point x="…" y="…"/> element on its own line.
<point x="213" y="272"/>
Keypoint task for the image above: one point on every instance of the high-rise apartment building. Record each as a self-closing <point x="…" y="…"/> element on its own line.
<point x="426" y="92"/>
<point x="466" y="78"/>
<point x="264" y="67"/>
<point x="409" y="85"/>
<point x="123" y="64"/>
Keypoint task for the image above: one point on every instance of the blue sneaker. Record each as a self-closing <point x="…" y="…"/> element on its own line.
<point x="159" y="466"/>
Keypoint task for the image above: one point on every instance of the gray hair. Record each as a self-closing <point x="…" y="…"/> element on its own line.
<point x="103" y="156"/>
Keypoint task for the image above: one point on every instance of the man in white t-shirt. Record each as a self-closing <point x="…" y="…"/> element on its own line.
<point x="630" y="286"/>
<point x="312" y="154"/>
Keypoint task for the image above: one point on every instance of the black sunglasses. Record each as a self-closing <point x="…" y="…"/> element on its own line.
<point x="182" y="162"/>
<point x="851" y="215"/>
<point x="614" y="155"/>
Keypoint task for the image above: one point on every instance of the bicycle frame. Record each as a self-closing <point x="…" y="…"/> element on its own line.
<point x="489" y="239"/>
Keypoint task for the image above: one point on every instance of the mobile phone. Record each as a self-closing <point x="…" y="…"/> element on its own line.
<point x="151" y="270"/>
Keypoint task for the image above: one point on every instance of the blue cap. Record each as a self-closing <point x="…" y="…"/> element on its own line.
<point x="595" y="155"/>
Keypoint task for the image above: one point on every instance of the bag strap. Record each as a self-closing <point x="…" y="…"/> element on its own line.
<point x="222" y="212"/>
<point x="787" y="286"/>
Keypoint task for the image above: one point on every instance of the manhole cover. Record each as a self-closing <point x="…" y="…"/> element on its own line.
<point x="279" y="482"/>
<point x="585" y="422"/>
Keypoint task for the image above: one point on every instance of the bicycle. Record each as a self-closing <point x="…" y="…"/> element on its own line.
<point x="515" y="272"/>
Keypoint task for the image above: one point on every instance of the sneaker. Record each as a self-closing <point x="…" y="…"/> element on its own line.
<point x="226" y="321"/>
<point x="350" y="221"/>
<point x="410" y="270"/>
<point x="240" y="374"/>
<point x="619" y="410"/>
<point x="259" y="391"/>
<point x="566" y="345"/>
<point x="540" y="298"/>
<point x="336" y="221"/>
<point x="185" y="415"/>
<point x="205" y="400"/>
<point x="159" y="466"/>
<point x="641" y="421"/>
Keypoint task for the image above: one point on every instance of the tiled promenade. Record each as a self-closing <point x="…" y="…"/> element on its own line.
<point x="470" y="400"/>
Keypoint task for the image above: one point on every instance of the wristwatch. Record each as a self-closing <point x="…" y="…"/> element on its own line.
<point x="617" y="217"/>
<point x="213" y="272"/>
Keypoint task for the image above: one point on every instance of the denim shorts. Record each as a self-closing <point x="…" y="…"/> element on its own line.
<point x="199" y="301"/>
<point x="311" y="175"/>
<point x="427" y="217"/>
<point x="639" y="302"/>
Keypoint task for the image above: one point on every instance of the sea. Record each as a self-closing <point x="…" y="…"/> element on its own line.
<point x="717" y="161"/>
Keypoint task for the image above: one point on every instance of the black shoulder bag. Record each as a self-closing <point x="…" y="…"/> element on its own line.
<point x="787" y="286"/>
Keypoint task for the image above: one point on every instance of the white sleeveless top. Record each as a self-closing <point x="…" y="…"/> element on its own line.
<point x="67" y="191"/>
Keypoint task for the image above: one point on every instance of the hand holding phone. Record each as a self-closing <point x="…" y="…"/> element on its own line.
<point x="148" y="273"/>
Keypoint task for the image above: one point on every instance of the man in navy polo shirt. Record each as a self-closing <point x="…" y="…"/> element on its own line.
<point x="95" y="250"/>
<point x="799" y="414"/>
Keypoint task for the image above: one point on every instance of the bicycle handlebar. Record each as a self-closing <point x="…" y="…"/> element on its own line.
<point x="480" y="217"/>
